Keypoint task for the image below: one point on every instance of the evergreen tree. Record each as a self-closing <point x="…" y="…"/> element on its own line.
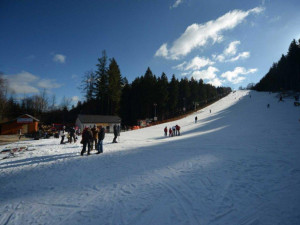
<point x="285" y="74"/>
<point x="173" y="94"/>
<point x="114" y="87"/>
<point x="162" y="95"/>
<point x="102" y="84"/>
<point x="88" y="85"/>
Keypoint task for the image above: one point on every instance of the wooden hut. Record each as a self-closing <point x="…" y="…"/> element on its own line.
<point x="26" y="123"/>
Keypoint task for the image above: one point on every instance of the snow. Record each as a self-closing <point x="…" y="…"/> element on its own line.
<point x="238" y="164"/>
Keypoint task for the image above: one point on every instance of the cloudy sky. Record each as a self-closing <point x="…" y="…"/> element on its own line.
<point x="51" y="44"/>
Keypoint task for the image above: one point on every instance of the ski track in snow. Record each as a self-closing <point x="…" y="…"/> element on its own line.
<point x="238" y="164"/>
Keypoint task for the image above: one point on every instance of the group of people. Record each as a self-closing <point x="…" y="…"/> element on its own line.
<point x="173" y="131"/>
<point x="91" y="136"/>
<point x="71" y="134"/>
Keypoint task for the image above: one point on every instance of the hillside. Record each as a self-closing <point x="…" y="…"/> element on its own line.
<point x="238" y="165"/>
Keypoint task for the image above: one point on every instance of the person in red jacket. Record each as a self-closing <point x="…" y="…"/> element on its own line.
<point x="170" y="132"/>
<point x="177" y="130"/>
<point x="166" y="131"/>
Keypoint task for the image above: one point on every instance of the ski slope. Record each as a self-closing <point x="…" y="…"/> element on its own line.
<point x="239" y="165"/>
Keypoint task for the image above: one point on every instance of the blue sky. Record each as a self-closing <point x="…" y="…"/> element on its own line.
<point x="51" y="44"/>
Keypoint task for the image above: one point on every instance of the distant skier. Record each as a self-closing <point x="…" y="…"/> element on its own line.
<point x="87" y="137"/>
<point x="196" y="118"/>
<point x="174" y="131"/>
<point x="166" y="131"/>
<point x="101" y="136"/>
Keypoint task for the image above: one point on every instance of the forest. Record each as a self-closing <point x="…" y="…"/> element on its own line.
<point x="285" y="74"/>
<point x="107" y="92"/>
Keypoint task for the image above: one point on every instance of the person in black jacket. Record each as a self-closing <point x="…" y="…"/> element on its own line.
<point x="101" y="136"/>
<point x="116" y="132"/>
<point x="87" y="137"/>
<point x="72" y="135"/>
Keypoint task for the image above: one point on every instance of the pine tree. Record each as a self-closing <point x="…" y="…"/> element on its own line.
<point x="162" y="95"/>
<point x="173" y="94"/>
<point x="114" y="86"/>
<point x="102" y="84"/>
<point x="88" y="85"/>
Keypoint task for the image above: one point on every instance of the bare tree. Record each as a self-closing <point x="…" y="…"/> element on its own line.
<point x="66" y="102"/>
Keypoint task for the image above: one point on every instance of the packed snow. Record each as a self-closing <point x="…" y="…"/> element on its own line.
<point x="239" y="164"/>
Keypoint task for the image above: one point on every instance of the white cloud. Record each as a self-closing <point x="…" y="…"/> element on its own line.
<point x="162" y="51"/>
<point x="27" y="83"/>
<point x="242" y="55"/>
<point x="232" y="48"/>
<point x="75" y="98"/>
<point x="48" y="84"/>
<point x="176" y="3"/>
<point x="215" y="82"/>
<point x="208" y="74"/>
<point x="233" y="76"/>
<point x="21" y="83"/>
<point x="181" y="66"/>
<point x="59" y="58"/>
<point x="198" y="62"/>
<point x="198" y="35"/>
<point x="195" y="64"/>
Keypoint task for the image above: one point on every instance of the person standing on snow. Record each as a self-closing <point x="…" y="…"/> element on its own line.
<point x="101" y="136"/>
<point x="173" y="131"/>
<point x="116" y="132"/>
<point x="177" y="130"/>
<point x="72" y="135"/>
<point x="62" y="134"/>
<point x="95" y="137"/>
<point x="166" y="131"/>
<point x="170" y="132"/>
<point x="196" y="118"/>
<point x="87" y="137"/>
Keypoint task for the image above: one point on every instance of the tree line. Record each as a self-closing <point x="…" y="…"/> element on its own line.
<point x="148" y="96"/>
<point x="106" y="92"/>
<point x="285" y="74"/>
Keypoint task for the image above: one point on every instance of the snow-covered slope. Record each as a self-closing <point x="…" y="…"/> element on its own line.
<point x="240" y="164"/>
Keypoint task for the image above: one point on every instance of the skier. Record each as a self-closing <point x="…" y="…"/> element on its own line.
<point x="196" y="118"/>
<point x="115" y="133"/>
<point x="101" y="136"/>
<point x="87" y="136"/>
<point x="62" y="134"/>
<point x="95" y="137"/>
<point x="166" y="131"/>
